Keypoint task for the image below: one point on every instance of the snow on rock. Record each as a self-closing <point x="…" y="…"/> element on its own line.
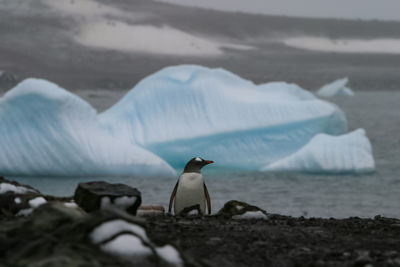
<point x="6" y="187"/>
<point x="124" y="202"/>
<point x="127" y="246"/>
<point x="130" y="242"/>
<point x="169" y="254"/>
<point x="36" y="202"/>
<point x="45" y="130"/>
<point x="71" y="205"/>
<point x="183" y="111"/>
<point x="336" y="88"/>
<point x="168" y="117"/>
<point x="110" y="228"/>
<point x="349" y="153"/>
<point x="251" y="215"/>
<point x="24" y="212"/>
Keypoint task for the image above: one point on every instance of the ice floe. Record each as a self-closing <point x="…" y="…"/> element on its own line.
<point x="336" y="88"/>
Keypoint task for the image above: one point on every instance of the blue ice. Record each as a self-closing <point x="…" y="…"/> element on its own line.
<point x="169" y="117"/>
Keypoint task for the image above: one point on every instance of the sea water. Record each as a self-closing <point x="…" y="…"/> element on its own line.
<point x="293" y="194"/>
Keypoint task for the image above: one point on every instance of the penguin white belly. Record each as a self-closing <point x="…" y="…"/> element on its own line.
<point x="190" y="192"/>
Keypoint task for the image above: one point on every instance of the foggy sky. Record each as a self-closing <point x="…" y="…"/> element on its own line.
<point x="349" y="9"/>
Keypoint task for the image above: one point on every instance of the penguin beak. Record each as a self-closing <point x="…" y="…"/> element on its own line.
<point x="208" y="162"/>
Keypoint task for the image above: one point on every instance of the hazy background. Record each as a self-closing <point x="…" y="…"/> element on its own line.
<point x="342" y="9"/>
<point x="99" y="49"/>
<point x="108" y="45"/>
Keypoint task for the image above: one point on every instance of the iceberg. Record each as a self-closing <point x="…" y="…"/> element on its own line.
<point x="336" y="88"/>
<point x="186" y="111"/>
<point x="169" y="117"/>
<point x="348" y="153"/>
<point x="45" y="130"/>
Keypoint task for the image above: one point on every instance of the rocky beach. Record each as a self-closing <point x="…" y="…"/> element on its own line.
<point x="103" y="102"/>
<point x="43" y="230"/>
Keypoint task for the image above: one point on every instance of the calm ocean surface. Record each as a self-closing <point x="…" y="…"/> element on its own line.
<point x="289" y="193"/>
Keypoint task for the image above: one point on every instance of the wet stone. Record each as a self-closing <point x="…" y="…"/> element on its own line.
<point x="94" y="196"/>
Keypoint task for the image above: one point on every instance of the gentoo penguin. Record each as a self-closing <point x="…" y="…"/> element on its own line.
<point x="190" y="188"/>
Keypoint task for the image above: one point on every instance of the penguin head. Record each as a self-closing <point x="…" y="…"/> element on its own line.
<point x="195" y="164"/>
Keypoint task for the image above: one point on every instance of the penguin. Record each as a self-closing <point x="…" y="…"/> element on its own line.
<point x="190" y="189"/>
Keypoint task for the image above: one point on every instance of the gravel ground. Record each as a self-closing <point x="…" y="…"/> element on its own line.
<point x="281" y="240"/>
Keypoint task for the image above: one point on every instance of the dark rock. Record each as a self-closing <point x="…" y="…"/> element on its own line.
<point x="56" y="235"/>
<point x="15" y="198"/>
<point x="93" y="196"/>
<point x="234" y="207"/>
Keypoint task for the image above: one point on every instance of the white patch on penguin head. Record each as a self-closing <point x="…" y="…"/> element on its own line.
<point x="198" y="159"/>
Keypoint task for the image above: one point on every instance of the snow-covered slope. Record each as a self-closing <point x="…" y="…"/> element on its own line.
<point x="169" y="117"/>
<point x="336" y="88"/>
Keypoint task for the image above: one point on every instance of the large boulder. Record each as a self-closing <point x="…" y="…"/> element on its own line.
<point x="94" y="196"/>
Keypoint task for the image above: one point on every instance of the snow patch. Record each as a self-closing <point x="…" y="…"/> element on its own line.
<point x="17" y="200"/>
<point x="108" y="229"/>
<point x="323" y="44"/>
<point x="126" y="246"/>
<point x="239" y="208"/>
<point x="71" y="205"/>
<point x="101" y="27"/>
<point x="24" y="212"/>
<point x="36" y="202"/>
<point x="170" y="255"/>
<point x="251" y="215"/>
<point x="124" y="202"/>
<point x="6" y="187"/>
<point x="150" y="39"/>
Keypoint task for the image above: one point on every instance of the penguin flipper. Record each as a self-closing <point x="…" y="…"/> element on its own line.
<point x="207" y="198"/>
<point x="171" y="200"/>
